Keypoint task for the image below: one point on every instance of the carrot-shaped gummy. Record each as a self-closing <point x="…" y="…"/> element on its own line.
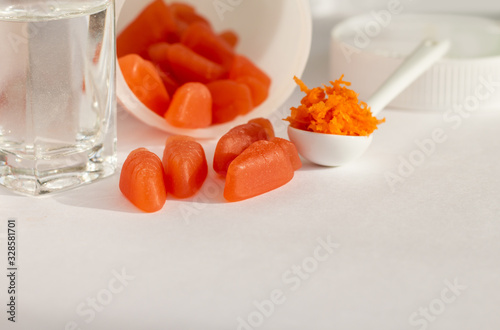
<point x="144" y="81"/>
<point x="234" y="142"/>
<point x="190" y="66"/>
<point x="230" y="37"/>
<point x="229" y="99"/>
<point x="260" y="168"/>
<point x="191" y="106"/>
<point x="154" y="24"/>
<point x="290" y="150"/>
<point x="258" y="89"/>
<point x="158" y="54"/>
<point x="264" y="122"/>
<point x="185" y="166"/>
<point x="243" y="66"/>
<point x="200" y="38"/>
<point x="142" y="180"/>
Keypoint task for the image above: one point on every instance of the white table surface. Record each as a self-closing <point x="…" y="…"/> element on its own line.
<point x="203" y="263"/>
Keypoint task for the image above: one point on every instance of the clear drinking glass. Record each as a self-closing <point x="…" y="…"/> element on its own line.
<point x="57" y="94"/>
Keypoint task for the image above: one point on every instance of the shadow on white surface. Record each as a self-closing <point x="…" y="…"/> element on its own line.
<point x="309" y="166"/>
<point x="7" y="192"/>
<point x="364" y="163"/>
<point x="104" y="195"/>
<point x="212" y="192"/>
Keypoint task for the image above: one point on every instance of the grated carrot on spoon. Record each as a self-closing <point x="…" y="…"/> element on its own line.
<point x="334" y="110"/>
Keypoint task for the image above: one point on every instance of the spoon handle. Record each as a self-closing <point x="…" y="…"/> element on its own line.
<point x="422" y="58"/>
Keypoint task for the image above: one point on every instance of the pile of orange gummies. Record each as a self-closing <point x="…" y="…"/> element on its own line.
<point x="181" y="69"/>
<point x="250" y="158"/>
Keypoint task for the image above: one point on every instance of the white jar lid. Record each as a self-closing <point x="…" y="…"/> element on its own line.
<point x="368" y="48"/>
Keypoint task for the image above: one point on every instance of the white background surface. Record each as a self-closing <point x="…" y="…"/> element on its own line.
<point x="398" y="245"/>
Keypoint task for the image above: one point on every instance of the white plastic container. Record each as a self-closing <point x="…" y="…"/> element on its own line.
<point x="368" y="48"/>
<point x="275" y="34"/>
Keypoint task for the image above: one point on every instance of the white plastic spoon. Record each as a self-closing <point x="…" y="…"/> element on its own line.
<point x="335" y="150"/>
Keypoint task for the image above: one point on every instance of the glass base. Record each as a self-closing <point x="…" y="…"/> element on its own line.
<point x="41" y="177"/>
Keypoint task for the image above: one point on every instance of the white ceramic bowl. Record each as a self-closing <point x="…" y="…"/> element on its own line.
<point x="275" y="34"/>
<point x="328" y="149"/>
